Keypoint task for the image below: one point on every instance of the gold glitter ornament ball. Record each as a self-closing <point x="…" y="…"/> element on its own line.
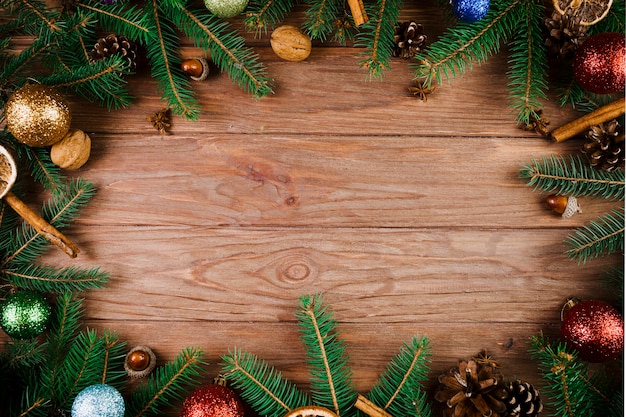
<point x="37" y="115"/>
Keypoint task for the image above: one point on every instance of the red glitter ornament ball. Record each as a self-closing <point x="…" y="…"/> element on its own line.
<point x="600" y="63"/>
<point x="595" y="329"/>
<point x="212" y="401"/>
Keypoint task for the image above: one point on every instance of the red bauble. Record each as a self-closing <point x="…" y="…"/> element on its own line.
<point x="600" y="63"/>
<point x="595" y="329"/>
<point x="212" y="401"/>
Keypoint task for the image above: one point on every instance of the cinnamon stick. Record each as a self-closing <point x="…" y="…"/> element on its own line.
<point x="584" y="123"/>
<point x="370" y="408"/>
<point x="41" y="226"/>
<point x="358" y="11"/>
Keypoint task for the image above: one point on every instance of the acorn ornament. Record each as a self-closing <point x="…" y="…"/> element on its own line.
<point x="563" y="205"/>
<point x="140" y="362"/>
<point x="196" y="68"/>
<point x="37" y="115"/>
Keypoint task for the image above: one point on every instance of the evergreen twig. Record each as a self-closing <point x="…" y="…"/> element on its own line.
<point x="599" y="237"/>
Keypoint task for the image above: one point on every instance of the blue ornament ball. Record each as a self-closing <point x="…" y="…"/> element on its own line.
<point x="470" y="11"/>
<point x="98" y="401"/>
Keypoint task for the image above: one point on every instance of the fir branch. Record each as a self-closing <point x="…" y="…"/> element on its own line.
<point x="331" y="384"/>
<point x="528" y="65"/>
<point x="573" y="176"/>
<point x="55" y="280"/>
<point x="600" y="237"/>
<point x="118" y="18"/>
<point x="113" y="372"/>
<point x="227" y="49"/>
<point x="36" y="12"/>
<point x="162" y="51"/>
<point x="261" y="385"/>
<point x="565" y="376"/>
<point x="24" y="353"/>
<point x="262" y="14"/>
<point x="613" y="281"/>
<point x="40" y="166"/>
<point x="458" y="47"/>
<point x="167" y="383"/>
<point x="320" y="17"/>
<point x="377" y="36"/>
<point x="398" y="388"/>
<point x="65" y="206"/>
<point x="15" y="66"/>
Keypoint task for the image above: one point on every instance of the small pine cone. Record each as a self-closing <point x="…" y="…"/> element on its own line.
<point x="112" y="45"/>
<point x="564" y="35"/>
<point x="472" y="389"/>
<point x="409" y="39"/>
<point x="524" y="401"/>
<point x="605" y="146"/>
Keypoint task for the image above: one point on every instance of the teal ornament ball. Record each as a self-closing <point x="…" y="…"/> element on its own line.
<point x="470" y="11"/>
<point x="98" y="401"/>
<point x="226" y="8"/>
<point x="24" y="315"/>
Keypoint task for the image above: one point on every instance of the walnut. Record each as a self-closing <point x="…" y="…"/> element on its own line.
<point x="290" y="44"/>
<point x="73" y="151"/>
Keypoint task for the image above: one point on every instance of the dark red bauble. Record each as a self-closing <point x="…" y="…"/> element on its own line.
<point x="212" y="401"/>
<point x="595" y="329"/>
<point x="600" y="63"/>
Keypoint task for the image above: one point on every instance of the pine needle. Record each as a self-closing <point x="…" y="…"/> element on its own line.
<point x="49" y="279"/>
<point x="600" y="237"/>
<point x="331" y="383"/>
<point x="261" y="15"/>
<point x="261" y="385"/>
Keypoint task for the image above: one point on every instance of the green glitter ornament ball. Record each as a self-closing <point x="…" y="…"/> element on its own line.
<point x="226" y="8"/>
<point x="24" y="315"/>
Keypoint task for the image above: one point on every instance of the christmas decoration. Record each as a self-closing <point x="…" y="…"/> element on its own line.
<point x="196" y="68"/>
<point x="37" y="115"/>
<point x="472" y="389"/>
<point x="73" y="151"/>
<point x="112" y="45"/>
<point x="290" y="44"/>
<point x="605" y="146"/>
<point x="563" y="205"/>
<point x="588" y="12"/>
<point x="98" y="401"/>
<point x="595" y="329"/>
<point x="524" y="400"/>
<point x="160" y="120"/>
<point x="565" y="34"/>
<point x="24" y="314"/>
<point x="584" y="123"/>
<point x="8" y="176"/>
<point x="226" y="8"/>
<point x="470" y="11"/>
<point x="140" y="362"/>
<point x="215" y="400"/>
<point x="409" y="39"/>
<point x="398" y="391"/>
<point x="600" y="63"/>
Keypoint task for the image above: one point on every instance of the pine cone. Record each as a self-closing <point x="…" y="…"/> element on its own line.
<point x="472" y="389"/>
<point x="408" y="40"/>
<point x="112" y="45"/>
<point x="524" y="400"/>
<point x="565" y="34"/>
<point x="605" y="146"/>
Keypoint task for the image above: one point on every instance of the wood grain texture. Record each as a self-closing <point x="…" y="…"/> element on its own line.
<point x="408" y="216"/>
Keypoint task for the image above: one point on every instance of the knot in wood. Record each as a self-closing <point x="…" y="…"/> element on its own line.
<point x="296" y="269"/>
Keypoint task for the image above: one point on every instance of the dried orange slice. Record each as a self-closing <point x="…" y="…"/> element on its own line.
<point x="311" y="411"/>
<point x="588" y="11"/>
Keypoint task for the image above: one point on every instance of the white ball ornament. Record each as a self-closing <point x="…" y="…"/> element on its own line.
<point x="99" y="400"/>
<point x="226" y="8"/>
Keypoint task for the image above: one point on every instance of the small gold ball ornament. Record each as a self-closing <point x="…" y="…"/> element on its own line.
<point x="37" y="115"/>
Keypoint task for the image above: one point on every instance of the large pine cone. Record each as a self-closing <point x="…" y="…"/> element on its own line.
<point x="565" y="34"/>
<point x="409" y="39"/>
<point x="472" y="389"/>
<point x="524" y="400"/>
<point x="605" y="146"/>
<point x="115" y="45"/>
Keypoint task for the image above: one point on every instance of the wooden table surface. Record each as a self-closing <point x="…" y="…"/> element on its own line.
<point x="408" y="216"/>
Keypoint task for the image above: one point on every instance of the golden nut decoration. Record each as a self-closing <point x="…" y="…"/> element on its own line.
<point x="71" y="152"/>
<point x="290" y="44"/>
<point x="37" y="115"/>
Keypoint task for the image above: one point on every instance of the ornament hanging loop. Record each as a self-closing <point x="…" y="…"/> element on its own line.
<point x="8" y="175"/>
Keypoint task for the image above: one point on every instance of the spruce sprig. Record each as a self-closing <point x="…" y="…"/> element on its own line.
<point x="264" y="14"/>
<point x="261" y="385"/>
<point x="167" y="383"/>
<point x="320" y="17"/>
<point x="400" y="389"/>
<point x="528" y="65"/>
<point x="331" y="383"/>
<point x="573" y="176"/>
<point x="599" y="237"/>
<point x="44" y="278"/>
<point x="377" y="36"/>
